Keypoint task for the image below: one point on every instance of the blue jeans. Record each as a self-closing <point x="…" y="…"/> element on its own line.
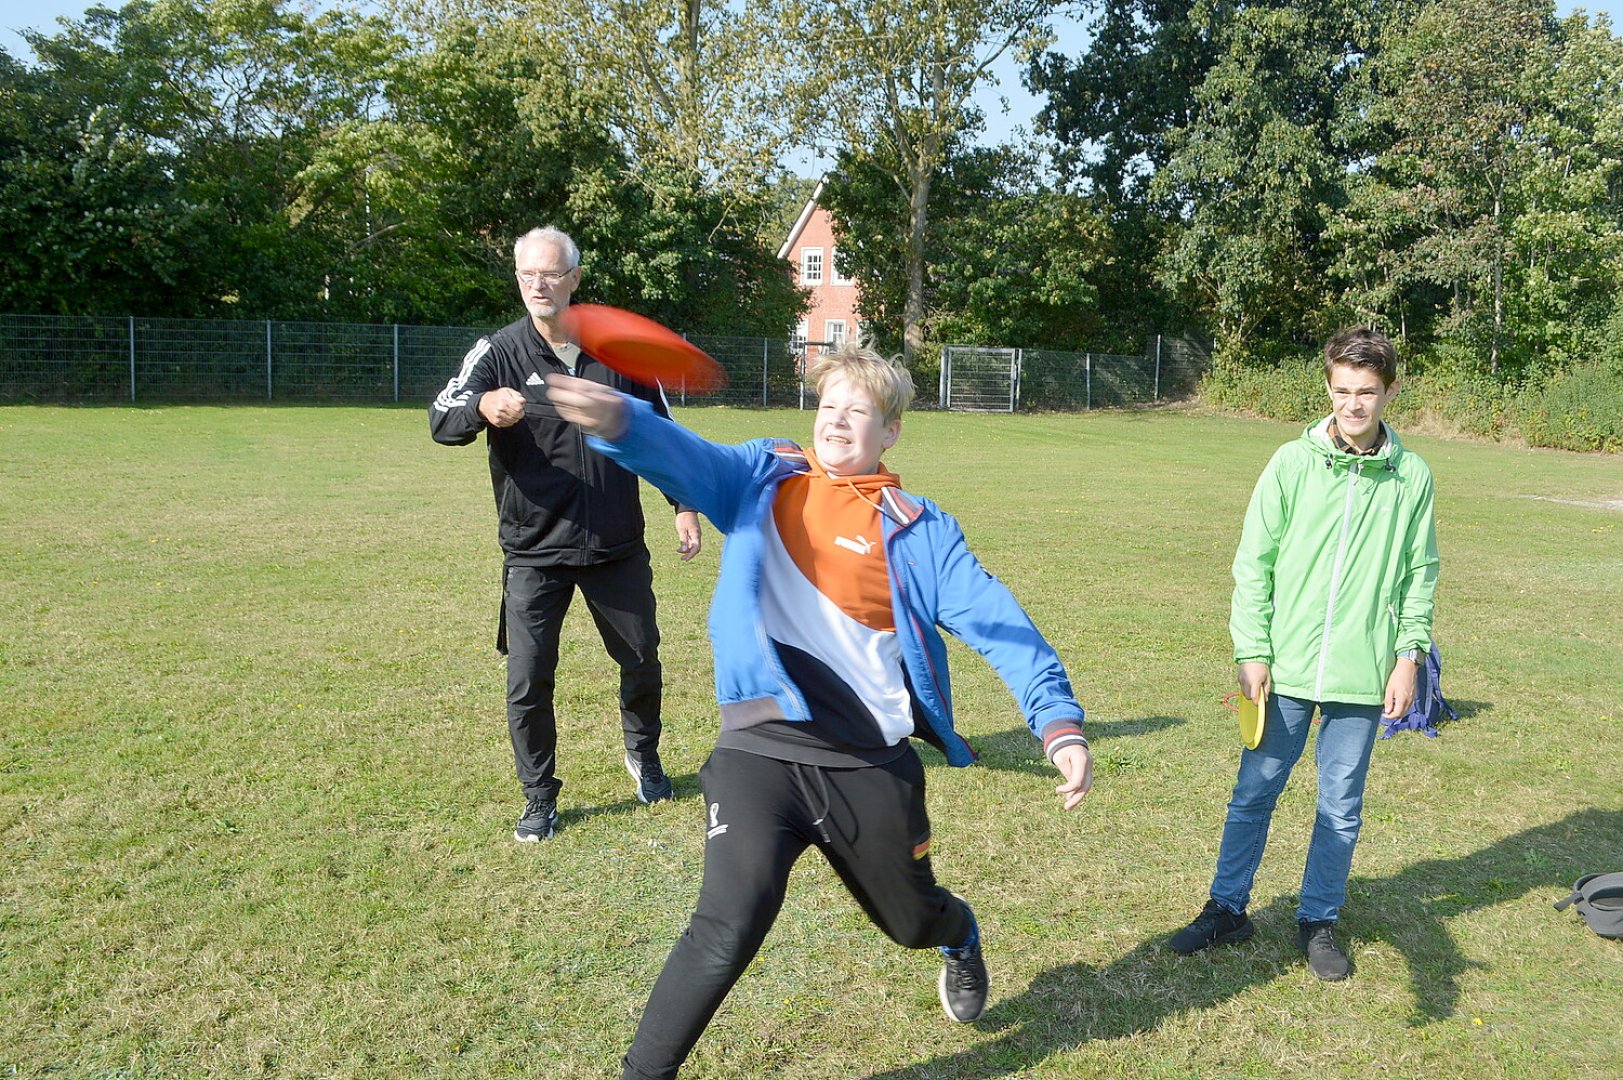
<point x="1346" y="739"/>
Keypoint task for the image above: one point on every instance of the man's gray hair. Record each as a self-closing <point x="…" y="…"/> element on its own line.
<point x="550" y="235"/>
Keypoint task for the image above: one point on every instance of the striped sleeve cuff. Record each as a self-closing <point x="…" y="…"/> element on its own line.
<point x="1060" y="734"/>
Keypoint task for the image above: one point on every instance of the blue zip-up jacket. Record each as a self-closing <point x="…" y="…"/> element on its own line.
<point x="934" y="581"/>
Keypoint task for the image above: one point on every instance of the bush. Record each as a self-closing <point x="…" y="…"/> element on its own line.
<point x="1294" y="390"/>
<point x="1450" y="386"/>
<point x="1580" y="408"/>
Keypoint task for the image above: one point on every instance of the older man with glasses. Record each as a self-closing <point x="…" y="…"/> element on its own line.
<point x="569" y="518"/>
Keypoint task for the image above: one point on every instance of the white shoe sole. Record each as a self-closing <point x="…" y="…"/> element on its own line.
<point x="636" y="778"/>
<point x="941" y="991"/>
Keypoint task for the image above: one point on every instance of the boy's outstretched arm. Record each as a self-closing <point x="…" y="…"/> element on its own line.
<point x="1075" y="763"/>
<point x="594" y="408"/>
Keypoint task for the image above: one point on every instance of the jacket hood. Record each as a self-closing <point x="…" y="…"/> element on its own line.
<point x="1317" y="436"/>
<point x="869" y="484"/>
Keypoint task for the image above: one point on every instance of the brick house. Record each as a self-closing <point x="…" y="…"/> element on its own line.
<point x="832" y="317"/>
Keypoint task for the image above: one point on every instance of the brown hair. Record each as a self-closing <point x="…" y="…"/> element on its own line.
<point x="1362" y="348"/>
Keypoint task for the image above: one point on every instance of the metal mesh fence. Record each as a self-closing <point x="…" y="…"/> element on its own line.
<point x="977" y="378"/>
<point x="94" y="360"/>
<point x="44" y="358"/>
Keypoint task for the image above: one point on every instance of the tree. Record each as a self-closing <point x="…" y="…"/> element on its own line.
<point x="893" y="88"/>
<point x="217" y="107"/>
<point x="1010" y="261"/>
<point x="1490" y="216"/>
<point x="693" y="86"/>
<point x="1113" y="108"/>
<point x="1256" y="171"/>
<point x="90" y="219"/>
<point x="530" y="139"/>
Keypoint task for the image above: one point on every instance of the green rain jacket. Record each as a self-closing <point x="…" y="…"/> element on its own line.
<point x="1336" y="568"/>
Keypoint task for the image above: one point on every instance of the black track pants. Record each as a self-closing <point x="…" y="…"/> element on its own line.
<point x="620" y="596"/>
<point x="760" y="814"/>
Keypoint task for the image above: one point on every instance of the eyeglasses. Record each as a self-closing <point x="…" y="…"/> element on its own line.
<point x="549" y="278"/>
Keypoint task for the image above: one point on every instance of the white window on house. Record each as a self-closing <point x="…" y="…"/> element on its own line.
<point x="834" y="332"/>
<point x="797" y="344"/>
<point x="834" y="275"/>
<point x="811" y="266"/>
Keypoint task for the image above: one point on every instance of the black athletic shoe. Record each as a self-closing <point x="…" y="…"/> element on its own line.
<point x="539" y="822"/>
<point x="964" y="984"/>
<point x="1215" y="925"/>
<point x="652" y="784"/>
<point x="1324" y="957"/>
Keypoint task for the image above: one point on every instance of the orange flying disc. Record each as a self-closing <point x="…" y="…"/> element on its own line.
<point x="641" y="349"/>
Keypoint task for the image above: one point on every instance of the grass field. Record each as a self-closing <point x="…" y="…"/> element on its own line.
<point x="256" y="794"/>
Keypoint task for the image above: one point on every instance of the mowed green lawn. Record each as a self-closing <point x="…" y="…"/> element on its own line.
<point x="256" y="795"/>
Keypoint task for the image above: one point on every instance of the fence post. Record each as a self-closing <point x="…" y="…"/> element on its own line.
<point x="1014" y="378"/>
<point x="943" y="391"/>
<point x="267" y="360"/>
<point x="132" y="359"/>
<point x="397" y="363"/>
<point x="1087" y="363"/>
<point x="1157" y="367"/>
<point x="764" y="343"/>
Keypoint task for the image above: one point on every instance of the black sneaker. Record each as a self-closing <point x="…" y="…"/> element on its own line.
<point x="964" y="984"/>
<point x="652" y="784"/>
<point x="1324" y="957"/>
<point x="1215" y="925"/>
<point x="539" y="822"/>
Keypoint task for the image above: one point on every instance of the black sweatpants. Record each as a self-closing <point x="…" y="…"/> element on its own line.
<point x="620" y="596"/>
<point x="760" y="814"/>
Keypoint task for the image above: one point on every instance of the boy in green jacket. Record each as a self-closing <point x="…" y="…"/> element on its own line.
<point x="1333" y="587"/>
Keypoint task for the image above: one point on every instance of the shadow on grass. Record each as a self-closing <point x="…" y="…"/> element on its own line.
<point x="1016" y="751"/>
<point x="684" y="786"/>
<point x="1069" y="1005"/>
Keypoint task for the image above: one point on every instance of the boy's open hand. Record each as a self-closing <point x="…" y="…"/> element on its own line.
<point x="1075" y="763"/>
<point x="592" y="407"/>
<point x="688" y="537"/>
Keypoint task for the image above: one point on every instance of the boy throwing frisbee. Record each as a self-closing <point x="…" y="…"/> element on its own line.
<point x="827" y="659"/>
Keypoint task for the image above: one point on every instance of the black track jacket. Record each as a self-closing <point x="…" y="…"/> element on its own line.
<point x="559" y="502"/>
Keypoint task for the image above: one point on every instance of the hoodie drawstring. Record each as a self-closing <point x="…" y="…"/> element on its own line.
<point x="806" y="793"/>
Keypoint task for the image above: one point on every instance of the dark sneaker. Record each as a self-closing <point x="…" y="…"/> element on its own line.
<point x="963" y="984"/>
<point x="652" y="784"/>
<point x="539" y="822"/>
<point x="1324" y="957"/>
<point x="1215" y="925"/>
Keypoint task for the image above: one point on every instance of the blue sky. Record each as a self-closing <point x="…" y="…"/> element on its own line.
<point x="42" y="15"/>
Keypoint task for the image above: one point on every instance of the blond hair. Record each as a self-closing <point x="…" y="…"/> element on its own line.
<point x="884" y="378"/>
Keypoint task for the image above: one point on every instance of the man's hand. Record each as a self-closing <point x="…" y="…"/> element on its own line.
<point x="1075" y="763"/>
<point x="1255" y="680"/>
<point x="592" y="407"/>
<point x="1400" y="688"/>
<point x="688" y="539"/>
<point x="501" y="407"/>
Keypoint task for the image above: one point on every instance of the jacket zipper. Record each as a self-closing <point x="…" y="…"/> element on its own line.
<point x="918" y="632"/>
<point x="1353" y="473"/>
<point x="586" y="503"/>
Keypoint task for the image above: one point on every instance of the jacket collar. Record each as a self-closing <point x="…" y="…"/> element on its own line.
<point x="897" y="505"/>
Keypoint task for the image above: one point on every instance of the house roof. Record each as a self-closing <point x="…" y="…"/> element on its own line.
<point x="800" y="223"/>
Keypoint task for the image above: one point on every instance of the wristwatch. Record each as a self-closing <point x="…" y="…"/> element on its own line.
<point x="1414" y="656"/>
